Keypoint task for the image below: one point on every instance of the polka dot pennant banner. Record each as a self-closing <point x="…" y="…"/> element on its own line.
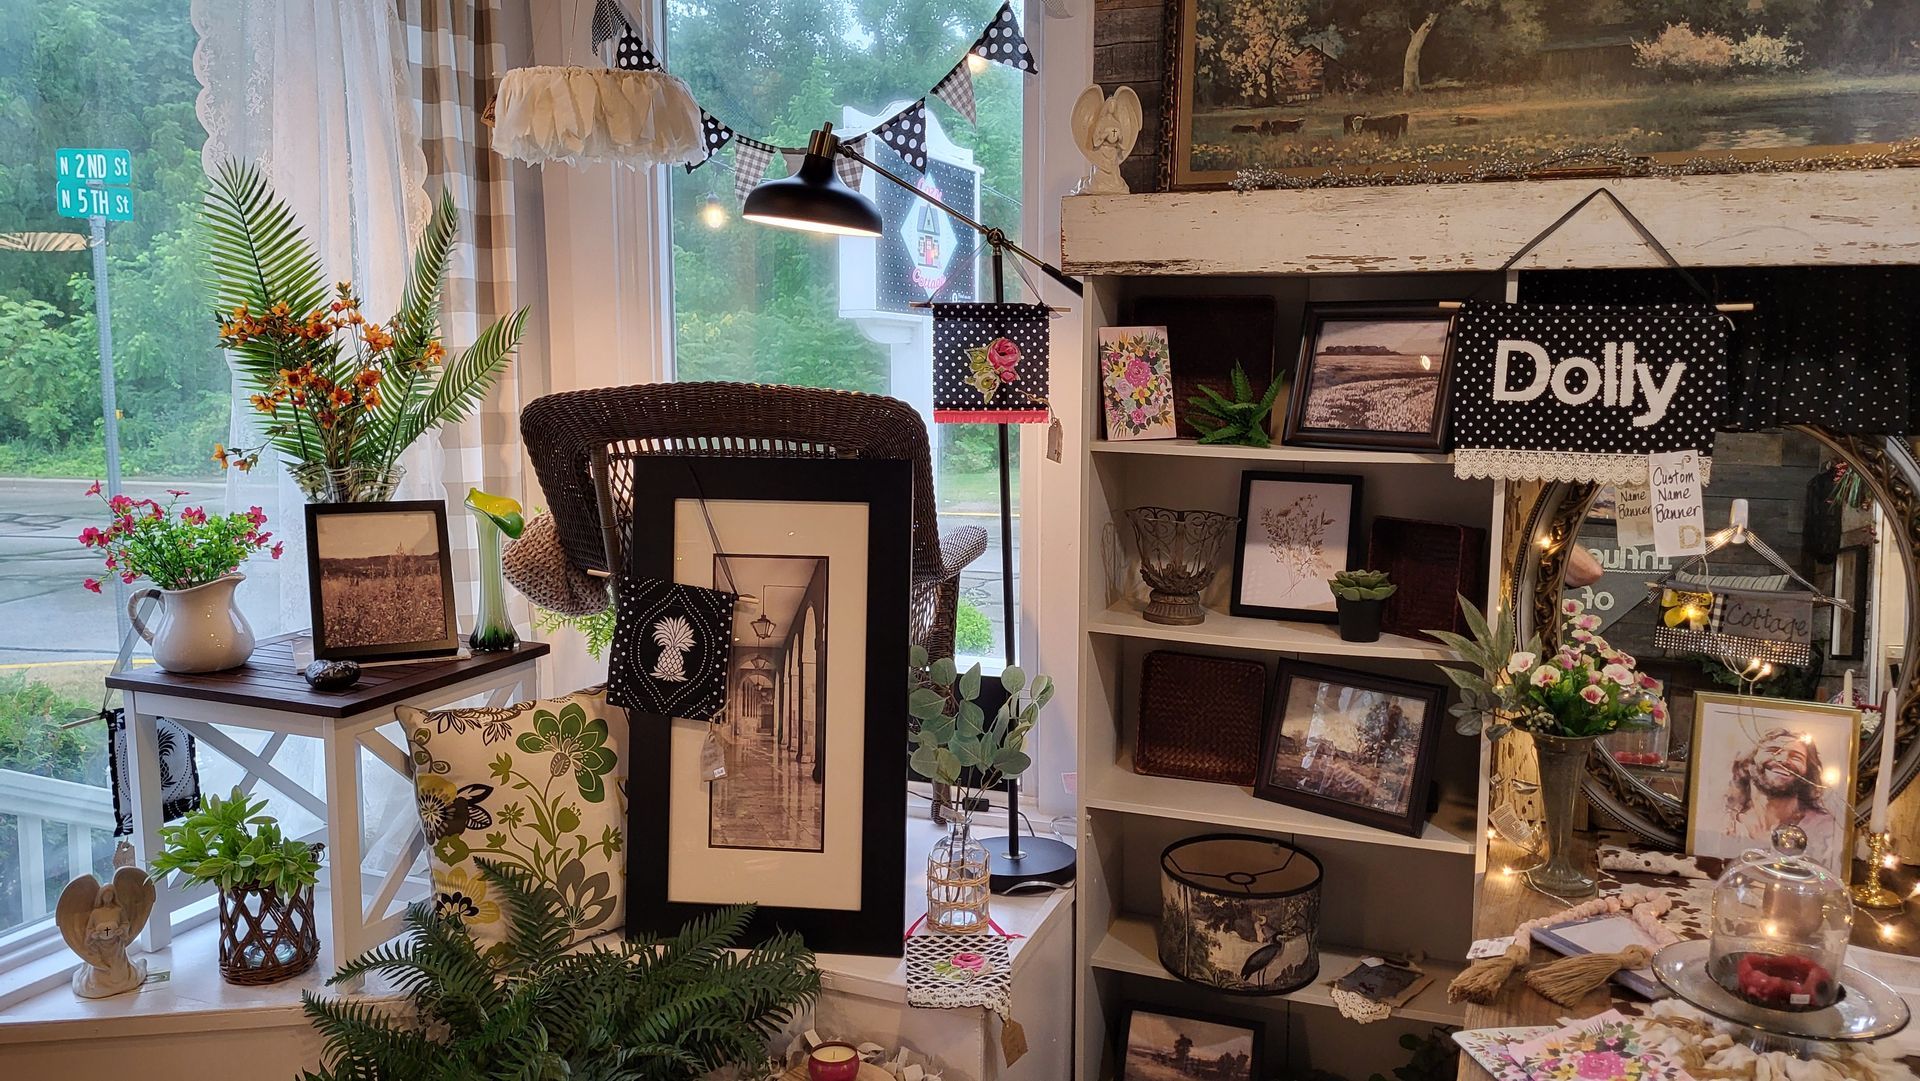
<point x="632" y="54"/>
<point x="1580" y="392"/>
<point x="714" y="134"/>
<point x="990" y="363"/>
<point x="906" y="134"/>
<point x="1002" y="43"/>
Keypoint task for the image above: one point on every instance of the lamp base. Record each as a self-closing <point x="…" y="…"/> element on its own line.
<point x="1042" y="859"/>
<point x="1872" y="894"/>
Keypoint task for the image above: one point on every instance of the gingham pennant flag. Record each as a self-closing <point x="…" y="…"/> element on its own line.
<point x="606" y="22"/>
<point x="750" y="160"/>
<point x="714" y="134"/>
<point x="1002" y="43"/>
<point x="957" y="90"/>
<point x="632" y="54"/>
<point x="793" y="158"/>
<point x="848" y="168"/>
<point x="906" y="133"/>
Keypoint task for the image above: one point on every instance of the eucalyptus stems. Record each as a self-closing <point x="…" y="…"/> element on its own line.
<point x="957" y="745"/>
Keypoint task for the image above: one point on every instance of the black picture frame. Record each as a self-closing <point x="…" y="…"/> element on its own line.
<point x="1255" y="1030"/>
<point x="1852" y="573"/>
<point x="1238" y="601"/>
<point x="886" y="488"/>
<point x="331" y="642"/>
<point x="1409" y="820"/>
<point x="1433" y="437"/>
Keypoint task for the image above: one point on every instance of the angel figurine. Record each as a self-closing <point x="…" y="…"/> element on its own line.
<point x="99" y="923"/>
<point x="1105" y="129"/>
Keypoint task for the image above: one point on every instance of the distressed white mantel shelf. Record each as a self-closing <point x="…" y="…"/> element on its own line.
<point x="1832" y="218"/>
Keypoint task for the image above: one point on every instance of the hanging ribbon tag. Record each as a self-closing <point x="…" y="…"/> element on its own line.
<point x="1679" y="521"/>
<point x="1013" y="1039"/>
<point x="1056" y="440"/>
<point x="713" y="757"/>
<point x="1633" y="516"/>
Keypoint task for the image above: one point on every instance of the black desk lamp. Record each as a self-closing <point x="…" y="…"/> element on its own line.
<point x="814" y="200"/>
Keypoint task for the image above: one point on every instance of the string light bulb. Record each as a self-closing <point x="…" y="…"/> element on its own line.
<point x="976" y="63"/>
<point x="712" y="214"/>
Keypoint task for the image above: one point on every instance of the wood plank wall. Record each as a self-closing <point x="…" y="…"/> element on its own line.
<point x="1128" y="50"/>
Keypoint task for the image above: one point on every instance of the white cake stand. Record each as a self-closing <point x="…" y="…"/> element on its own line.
<point x="1867" y="1009"/>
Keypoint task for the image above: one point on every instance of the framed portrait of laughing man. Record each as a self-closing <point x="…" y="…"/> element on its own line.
<point x="1762" y="763"/>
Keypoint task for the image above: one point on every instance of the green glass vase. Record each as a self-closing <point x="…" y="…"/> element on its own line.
<point x="492" y="628"/>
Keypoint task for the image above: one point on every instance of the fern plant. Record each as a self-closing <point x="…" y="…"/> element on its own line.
<point x="668" y="1009"/>
<point x="1241" y="421"/>
<point x="334" y="388"/>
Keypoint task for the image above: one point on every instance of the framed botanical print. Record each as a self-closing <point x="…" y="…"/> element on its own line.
<point x="809" y="819"/>
<point x="1352" y="745"/>
<point x="1372" y="377"/>
<point x="380" y="580"/>
<point x="1163" y="1045"/>
<point x="1295" y="531"/>
<point x="1761" y="763"/>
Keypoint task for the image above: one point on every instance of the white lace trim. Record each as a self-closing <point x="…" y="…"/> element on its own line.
<point x="1496" y="463"/>
<point x="580" y="115"/>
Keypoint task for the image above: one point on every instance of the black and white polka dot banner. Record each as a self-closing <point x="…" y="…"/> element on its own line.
<point x="990" y="363"/>
<point x="632" y="54"/>
<point x="906" y="134"/>
<point x="1583" y="392"/>
<point x="714" y="134"/>
<point x="1002" y="42"/>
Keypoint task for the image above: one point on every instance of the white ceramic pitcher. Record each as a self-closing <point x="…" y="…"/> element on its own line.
<point x="199" y="629"/>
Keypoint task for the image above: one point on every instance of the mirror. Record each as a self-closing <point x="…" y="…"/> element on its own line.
<point x="1837" y="510"/>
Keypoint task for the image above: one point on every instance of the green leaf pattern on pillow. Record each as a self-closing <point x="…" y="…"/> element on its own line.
<point x="526" y="787"/>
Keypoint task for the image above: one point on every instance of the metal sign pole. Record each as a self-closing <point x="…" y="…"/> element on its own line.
<point x="109" y="406"/>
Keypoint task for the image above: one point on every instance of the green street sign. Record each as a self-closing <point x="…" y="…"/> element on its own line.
<point x="81" y="164"/>
<point x="81" y="200"/>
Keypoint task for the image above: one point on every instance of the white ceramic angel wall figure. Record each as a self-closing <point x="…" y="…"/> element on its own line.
<point x="99" y="923"/>
<point x="1105" y="129"/>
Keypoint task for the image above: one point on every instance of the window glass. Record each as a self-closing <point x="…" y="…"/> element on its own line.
<point x="765" y="305"/>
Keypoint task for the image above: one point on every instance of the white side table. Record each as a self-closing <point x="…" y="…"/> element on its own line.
<point x="268" y="695"/>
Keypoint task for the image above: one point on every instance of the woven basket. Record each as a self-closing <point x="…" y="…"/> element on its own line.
<point x="1199" y="717"/>
<point x="266" y="937"/>
<point x="1434" y="564"/>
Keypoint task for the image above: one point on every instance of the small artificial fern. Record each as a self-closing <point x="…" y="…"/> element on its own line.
<point x="1242" y="421"/>
<point x="596" y="628"/>
<point x="652" y="1009"/>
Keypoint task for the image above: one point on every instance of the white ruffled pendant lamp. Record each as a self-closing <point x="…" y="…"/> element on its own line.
<point x="584" y="116"/>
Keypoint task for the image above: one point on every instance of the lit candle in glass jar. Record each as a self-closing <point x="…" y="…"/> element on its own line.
<point x="835" y="1061"/>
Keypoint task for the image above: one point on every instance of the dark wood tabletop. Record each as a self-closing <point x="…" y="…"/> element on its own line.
<point x="269" y="681"/>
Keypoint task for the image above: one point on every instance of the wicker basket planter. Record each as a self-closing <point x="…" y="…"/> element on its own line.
<point x="266" y="936"/>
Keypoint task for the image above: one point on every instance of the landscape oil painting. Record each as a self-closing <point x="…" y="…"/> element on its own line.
<point x="1309" y="86"/>
<point x="1171" y="1047"/>
<point x="1351" y="744"/>
<point x="382" y="580"/>
<point x="1372" y="378"/>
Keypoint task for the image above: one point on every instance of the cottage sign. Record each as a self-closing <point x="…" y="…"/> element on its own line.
<point x="1584" y="392"/>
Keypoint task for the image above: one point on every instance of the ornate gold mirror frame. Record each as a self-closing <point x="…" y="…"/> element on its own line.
<point x="1549" y="525"/>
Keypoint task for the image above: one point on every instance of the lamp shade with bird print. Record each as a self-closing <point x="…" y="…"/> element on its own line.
<point x="1240" y="914"/>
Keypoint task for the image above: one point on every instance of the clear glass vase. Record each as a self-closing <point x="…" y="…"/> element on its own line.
<point x="492" y="628"/>
<point x="1563" y="762"/>
<point x="322" y="483"/>
<point x="957" y="881"/>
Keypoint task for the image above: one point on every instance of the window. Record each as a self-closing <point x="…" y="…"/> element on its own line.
<point x="766" y="305"/>
<point x="87" y="74"/>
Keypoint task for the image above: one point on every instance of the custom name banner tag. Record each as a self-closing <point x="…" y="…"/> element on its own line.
<point x="1633" y="516"/>
<point x="1583" y="392"/>
<point x="1679" y="521"/>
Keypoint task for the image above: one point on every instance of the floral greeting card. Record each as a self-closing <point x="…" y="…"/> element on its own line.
<point x="1136" y="382"/>
<point x="1604" y="1047"/>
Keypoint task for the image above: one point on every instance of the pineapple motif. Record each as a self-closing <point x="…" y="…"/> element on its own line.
<point x="674" y="636"/>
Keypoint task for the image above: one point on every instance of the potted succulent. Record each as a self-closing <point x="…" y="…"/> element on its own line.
<point x="1361" y="599"/>
<point x="265" y="879"/>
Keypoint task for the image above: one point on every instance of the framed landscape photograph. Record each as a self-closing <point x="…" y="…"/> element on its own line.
<point x="381" y="580"/>
<point x="1372" y="377"/>
<point x="1295" y="531"/>
<point x="1759" y="763"/>
<point x="1309" y="86"/>
<point x="809" y="822"/>
<point x="1160" y="1045"/>
<point x="1352" y="745"/>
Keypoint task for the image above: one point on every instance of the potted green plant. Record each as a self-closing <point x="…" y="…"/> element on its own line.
<point x="651" y="1009"/>
<point x="966" y="754"/>
<point x="1240" y="420"/>
<point x="265" y="881"/>
<point x="1360" y="598"/>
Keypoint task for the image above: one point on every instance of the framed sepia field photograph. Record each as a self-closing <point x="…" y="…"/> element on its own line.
<point x="1352" y="745"/>
<point x="1296" y="530"/>
<point x="1761" y="763"/>
<point x="1160" y="1045"/>
<point x="381" y="580"/>
<point x="1312" y="86"/>
<point x="1372" y="377"/>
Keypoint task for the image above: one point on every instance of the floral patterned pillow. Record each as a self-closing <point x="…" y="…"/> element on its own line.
<point x="540" y="786"/>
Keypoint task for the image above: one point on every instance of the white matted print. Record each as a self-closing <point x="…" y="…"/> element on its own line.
<point x="781" y="866"/>
<point x="1761" y="763"/>
<point x="1296" y="530"/>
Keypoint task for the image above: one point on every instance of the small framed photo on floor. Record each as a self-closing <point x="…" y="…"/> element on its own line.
<point x="1761" y="763"/>
<point x="809" y="821"/>
<point x="380" y="579"/>
<point x="1351" y="745"/>
<point x="1296" y="530"/>
<point x="1372" y="377"/>
<point x="1162" y="1045"/>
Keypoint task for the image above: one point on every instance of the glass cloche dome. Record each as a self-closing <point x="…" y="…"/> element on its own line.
<point x="1780" y="927"/>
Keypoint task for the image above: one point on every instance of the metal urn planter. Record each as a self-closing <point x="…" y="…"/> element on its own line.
<point x="1178" y="550"/>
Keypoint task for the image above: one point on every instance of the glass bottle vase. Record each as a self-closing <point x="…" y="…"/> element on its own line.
<point x="957" y="881"/>
<point x="492" y="627"/>
<point x="1563" y="763"/>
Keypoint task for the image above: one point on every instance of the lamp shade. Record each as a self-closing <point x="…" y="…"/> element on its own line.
<point x="813" y="199"/>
